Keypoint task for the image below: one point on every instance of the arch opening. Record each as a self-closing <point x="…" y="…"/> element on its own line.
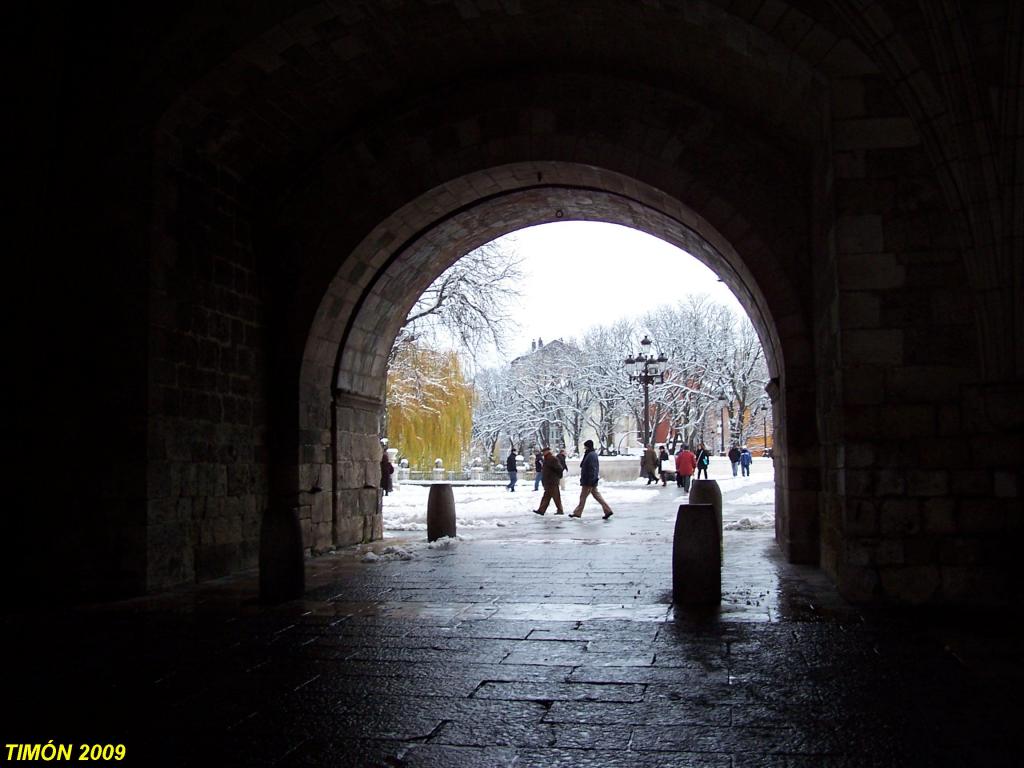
<point x="343" y="375"/>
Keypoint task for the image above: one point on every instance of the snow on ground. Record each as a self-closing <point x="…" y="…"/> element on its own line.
<point x="409" y="552"/>
<point x="764" y="496"/>
<point x="493" y="506"/>
<point x="764" y="520"/>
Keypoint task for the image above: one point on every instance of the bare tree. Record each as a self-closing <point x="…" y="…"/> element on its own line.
<point x="605" y="349"/>
<point x="555" y="394"/>
<point x="488" y="426"/>
<point x="745" y="379"/>
<point x="696" y="335"/>
<point x="572" y="394"/>
<point x="499" y="413"/>
<point x="469" y="303"/>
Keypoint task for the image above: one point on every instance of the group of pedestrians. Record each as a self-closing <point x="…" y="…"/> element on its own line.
<point x="550" y="470"/>
<point x="740" y="458"/>
<point x="689" y="463"/>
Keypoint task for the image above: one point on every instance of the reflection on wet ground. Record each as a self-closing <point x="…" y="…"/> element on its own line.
<point x="557" y="646"/>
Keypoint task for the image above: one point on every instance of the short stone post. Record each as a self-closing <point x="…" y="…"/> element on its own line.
<point x="440" y="512"/>
<point x="438" y="470"/>
<point x="696" y="564"/>
<point x="709" y="492"/>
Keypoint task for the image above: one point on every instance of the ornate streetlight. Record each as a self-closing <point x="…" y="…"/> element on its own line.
<point x="644" y="367"/>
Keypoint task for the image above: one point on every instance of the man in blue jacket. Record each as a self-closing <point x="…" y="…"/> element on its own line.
<point x="589" y="473"/>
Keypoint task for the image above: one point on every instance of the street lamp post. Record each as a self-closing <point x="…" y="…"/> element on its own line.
<point x="644" y="367"/>
<point x="721" y="412"/>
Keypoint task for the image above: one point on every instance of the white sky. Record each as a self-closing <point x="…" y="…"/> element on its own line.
<point x="579" y="274"/>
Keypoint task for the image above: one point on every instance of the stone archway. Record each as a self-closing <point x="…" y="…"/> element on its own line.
<point x="313" y="153"/>
<point x="344" y="365"/>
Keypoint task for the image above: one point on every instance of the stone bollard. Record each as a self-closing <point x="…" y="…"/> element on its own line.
<point x="709" y="492"/>
<point x="440" y="512"/>
<point x="476" y="474"/>
<point x="696" y="564"/>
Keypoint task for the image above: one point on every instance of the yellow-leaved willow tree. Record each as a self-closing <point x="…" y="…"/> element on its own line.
<point x="429" y="406"/>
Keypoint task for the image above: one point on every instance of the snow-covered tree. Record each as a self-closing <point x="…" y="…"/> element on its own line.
<point x="468" y="305"/>
<point x="696" y="336"/>
<point x="498" y="415"/>
<point x="605" y="348"/>
<point x="746" y="375"/>
<point x="556" y="391"/>
<point x="714" y="354"/>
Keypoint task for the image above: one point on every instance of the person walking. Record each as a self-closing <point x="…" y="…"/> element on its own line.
<point x="662" y="458"/>
<point x="746" y="459"/>
<point x="589" y="473"/>
<point x="650" y="465"/>
<point x="703" y="460"/>
<point x="538" y="468"/>
<point x="734" y="459"/>
<point x="551" y="472"/>
<point x="563" y="460"/>
<point x="686" y="463"/>
<point x="387" y="469"/>
<point x="513" y="471"/>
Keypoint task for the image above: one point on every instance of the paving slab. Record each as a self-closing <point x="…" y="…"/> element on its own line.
<point x="548" y="643"/>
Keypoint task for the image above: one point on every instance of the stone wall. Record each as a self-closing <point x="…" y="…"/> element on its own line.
<point x="208" y="460"/>
<point x="237" y="203"/>
<point x="906" y="519"/>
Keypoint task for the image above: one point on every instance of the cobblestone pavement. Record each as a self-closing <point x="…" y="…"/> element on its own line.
<point x="558" y="647"/>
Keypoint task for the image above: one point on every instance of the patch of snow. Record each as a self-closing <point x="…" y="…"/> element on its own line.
<point x="445" y="542"/>
<point x="765" y="496"/>
<point x="388" y="553"/>
<point x="751" y="524"/>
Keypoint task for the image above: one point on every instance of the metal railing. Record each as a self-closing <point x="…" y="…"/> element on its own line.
<point x="416" y="475"/>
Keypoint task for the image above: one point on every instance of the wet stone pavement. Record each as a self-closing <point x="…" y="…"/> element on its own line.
<point x="552" y="645"/>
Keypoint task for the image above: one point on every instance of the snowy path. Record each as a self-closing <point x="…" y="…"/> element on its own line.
<point x="493" y="512"/>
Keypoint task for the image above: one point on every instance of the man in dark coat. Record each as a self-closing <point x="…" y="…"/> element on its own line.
<point x="589" y="473"/>
<point x="513" y="471"/>
<point x="649" y="463"/>
<point x="538" y="469"/>
<point x="386" y="470"/>
<point x="734" y="459"/>
<point x="551" y="473"/>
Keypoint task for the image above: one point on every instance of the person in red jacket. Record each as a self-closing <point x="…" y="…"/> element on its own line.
<point x="686" y="463"/>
